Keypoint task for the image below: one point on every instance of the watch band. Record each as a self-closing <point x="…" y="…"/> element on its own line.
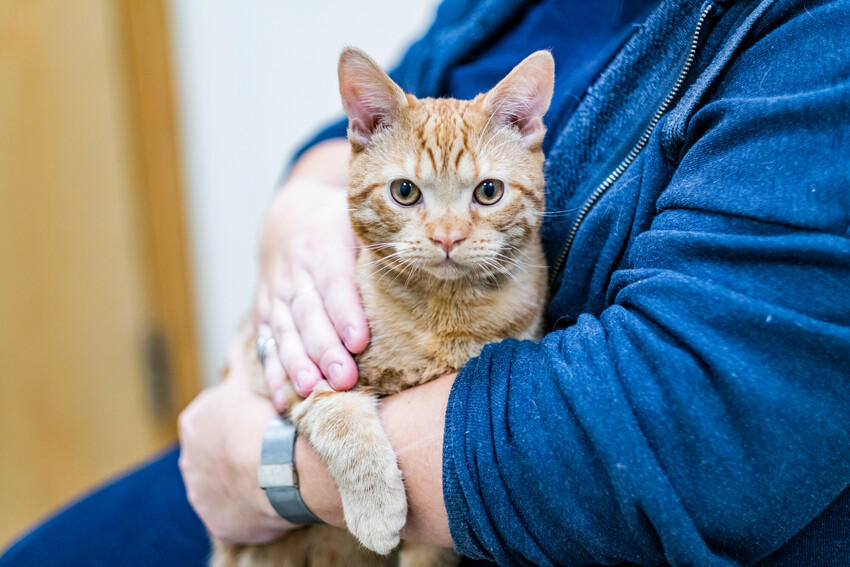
<point x="277" y="475"/>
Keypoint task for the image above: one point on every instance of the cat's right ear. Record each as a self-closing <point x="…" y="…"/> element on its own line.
<point x="370" y="98"/>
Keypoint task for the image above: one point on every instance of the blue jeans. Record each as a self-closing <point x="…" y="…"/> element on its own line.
<point x="144" y="518"/>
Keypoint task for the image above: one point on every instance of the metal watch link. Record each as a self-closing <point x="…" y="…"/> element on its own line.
<point x="277" y="475"/>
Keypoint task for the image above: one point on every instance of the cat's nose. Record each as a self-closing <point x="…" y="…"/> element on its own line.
<point x="448" y="239"/>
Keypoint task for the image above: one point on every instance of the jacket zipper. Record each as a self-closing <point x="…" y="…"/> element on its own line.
<point x="636" y="149"/>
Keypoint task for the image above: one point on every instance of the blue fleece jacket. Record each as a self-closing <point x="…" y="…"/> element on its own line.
<point x="691" y="402"/>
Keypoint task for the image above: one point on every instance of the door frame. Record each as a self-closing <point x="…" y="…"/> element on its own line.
<point x="171" y="344"/>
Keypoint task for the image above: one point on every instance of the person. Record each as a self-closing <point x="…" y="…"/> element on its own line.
<point x="691" y="402"/>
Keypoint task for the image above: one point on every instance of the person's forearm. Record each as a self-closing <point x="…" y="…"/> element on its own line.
<point x="414" y="422"/>
<point x="326" y="162"/>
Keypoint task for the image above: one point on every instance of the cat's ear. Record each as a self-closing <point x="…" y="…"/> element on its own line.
<point x="522" y="98"/>
<point x="370" y="98"/>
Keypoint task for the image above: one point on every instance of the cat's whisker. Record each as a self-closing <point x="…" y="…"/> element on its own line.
<point x="382" y="267"/>
<point x="510" y="261"/>
<point x="501" y="269"/>
<point x="386" y="258"/>
<point x="481" y="137"/>
<point x="389" y="266"/>
<point x="492" y="276"/>
<point x="519" y="263"/>
<point x="415" y="270"/>
<point x="404" y="263"/>
<point x="398" y="263"/>
<point x="380" y="273"/>
<point x="484" y="130"/>
<point x="562" y="212"/>
<point x="487" y="265"/>
<point x="380" y="245"/>
<point x="501" y="144"/>
<point x="523" y="253"/>
<point x="486" y="124"/>
<point x="484" y="269"/>
<point x="492" y="137"/>
<point x="511" y="265"/>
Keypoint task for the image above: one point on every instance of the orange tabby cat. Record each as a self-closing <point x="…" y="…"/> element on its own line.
<point x="446" y="197"/>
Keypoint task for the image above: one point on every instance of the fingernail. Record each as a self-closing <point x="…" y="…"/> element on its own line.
<point x="301" y="379"/>
<point x="335" y="371"/>
<point x="278" y="400"/>
<point x="348" y="336"/>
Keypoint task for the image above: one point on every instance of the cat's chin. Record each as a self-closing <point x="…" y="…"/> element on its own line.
<point x="448" y="270"/>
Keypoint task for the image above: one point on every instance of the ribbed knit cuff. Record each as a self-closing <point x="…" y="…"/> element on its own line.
<point x="459" y="479"/>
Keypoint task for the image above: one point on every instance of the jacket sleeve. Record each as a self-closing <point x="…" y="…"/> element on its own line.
<point x="702" y="417"/>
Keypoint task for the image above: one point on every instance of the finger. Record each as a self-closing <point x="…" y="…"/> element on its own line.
<point x="321" y="340"/>
<point x="262" y="306"/>
<point x="342" y="304"/>
<point x="272" y="367"/>
<point x="278" y="282"/>
<point x="296" y="364"/>
<point x="335" y="279"/>
<point x="275" y="377"/>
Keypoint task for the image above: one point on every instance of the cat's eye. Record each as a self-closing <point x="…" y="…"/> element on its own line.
<point x="405" y="192"/>
<point x="489" y="191"/>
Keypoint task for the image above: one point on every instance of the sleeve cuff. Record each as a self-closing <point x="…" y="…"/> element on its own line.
<point x="469" y="395"/>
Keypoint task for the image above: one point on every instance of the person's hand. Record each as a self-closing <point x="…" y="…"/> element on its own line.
<point x="221" y="435"/>
<point x="306" y="298"/>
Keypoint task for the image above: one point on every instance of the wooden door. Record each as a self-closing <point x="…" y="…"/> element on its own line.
<point x="96" y="338"/>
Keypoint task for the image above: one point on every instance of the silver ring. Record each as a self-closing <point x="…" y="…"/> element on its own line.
<point x="263" y="346"/>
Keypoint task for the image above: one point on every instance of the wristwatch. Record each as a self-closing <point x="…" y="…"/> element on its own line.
<point x="277" y="475"/>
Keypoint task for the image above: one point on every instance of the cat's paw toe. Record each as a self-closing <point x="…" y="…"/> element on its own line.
<point x="379" y="514"/>
<point x="380" y="542"/>
<point x="379" y="530"/>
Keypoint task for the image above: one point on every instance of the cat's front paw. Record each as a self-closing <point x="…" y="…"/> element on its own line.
<point x="376" y="512"/>
<point x="345" y="430"/>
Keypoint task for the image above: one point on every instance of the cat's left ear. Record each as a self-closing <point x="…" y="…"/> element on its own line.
<point x="522" y="98"/>
<point x="370" y="98"/>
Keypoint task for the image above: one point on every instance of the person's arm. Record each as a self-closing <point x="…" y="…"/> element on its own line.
<point x="221" y="433"/>
<point x="414" y="421"/>
<point x="326" y="162"/>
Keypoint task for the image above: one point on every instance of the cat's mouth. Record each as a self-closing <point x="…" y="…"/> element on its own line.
<point x="447" y="268"/>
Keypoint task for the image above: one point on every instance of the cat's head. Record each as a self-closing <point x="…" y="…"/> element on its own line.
<point x="443" y="187"/>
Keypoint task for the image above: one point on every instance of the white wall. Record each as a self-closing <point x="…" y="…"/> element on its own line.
<point x="254" y="79"/>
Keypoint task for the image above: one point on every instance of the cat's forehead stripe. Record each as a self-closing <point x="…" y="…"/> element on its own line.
<point x="433" y="161"/>
<point x="460" y="153"/>
<point x="443" y="133"/>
